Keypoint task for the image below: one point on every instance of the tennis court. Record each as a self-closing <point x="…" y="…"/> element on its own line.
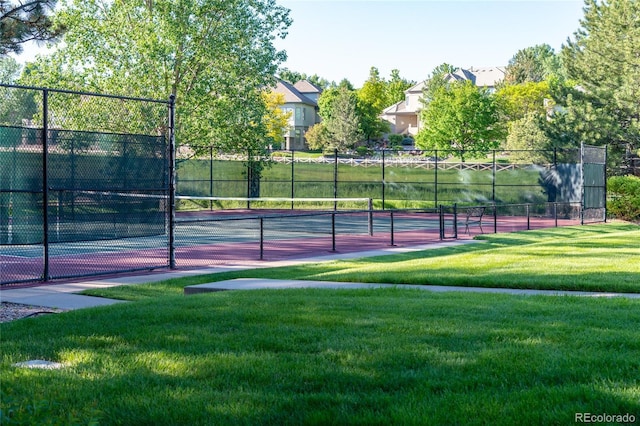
<point x="211" y="237"/>
<point x="94" y="184"/>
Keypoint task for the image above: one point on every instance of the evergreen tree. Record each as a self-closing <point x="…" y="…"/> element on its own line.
<point x="343" y="123"/>
<point x="603" y="60"/>
<point x="532" y="65"/>
<point x="26" y="21"/>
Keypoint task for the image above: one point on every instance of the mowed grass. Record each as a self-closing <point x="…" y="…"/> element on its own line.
<point x="602" y="257"/>
<point x="373" y="356"/>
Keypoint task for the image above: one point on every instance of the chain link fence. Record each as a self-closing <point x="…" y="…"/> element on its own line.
<point x="81" y="176"/>
<point x="87" y="187"/>
<point x="394" y="179"/>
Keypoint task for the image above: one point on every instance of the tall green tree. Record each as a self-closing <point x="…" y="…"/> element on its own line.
<point x="342" y="123"/>
<point x="372" y="99"/>
<point x="461" y="117"/>
<point x="374" y="91"/>
<point x="291" y="76"/>
<point x="9" y="70"/>
<point x="318" y="137"/>
<point x="436" y="81"/>
<point x="24" y="21"/>
<point x="525" y="107"/>
<point x="215" y="56"/>
<point x="346" y="84"/>
<point x="532" y="65"/>
<point x="525" y="98"/>
<point x="396" y="86"/>
<point x="603" y="60"/>
<point x="16" y="104"/>
<point x="527" y="140"/>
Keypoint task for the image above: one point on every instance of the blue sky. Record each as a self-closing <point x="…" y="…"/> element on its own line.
<point x="344" y="39"/>
<point x="339" y="39"/>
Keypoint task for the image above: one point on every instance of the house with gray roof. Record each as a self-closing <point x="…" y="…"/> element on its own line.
<point x="301" y="99"/>
<point x="404" y="116"/>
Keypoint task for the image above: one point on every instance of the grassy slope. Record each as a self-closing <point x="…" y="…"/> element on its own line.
<point x="346" y="356"/>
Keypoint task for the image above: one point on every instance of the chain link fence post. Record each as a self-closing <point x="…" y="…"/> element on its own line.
<point x="172" y="181"/>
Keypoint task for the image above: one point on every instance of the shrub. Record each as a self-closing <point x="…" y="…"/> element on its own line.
<point x="624" y="197"/>
<point x="395" y="141"/>
<point x="363" y="151"/>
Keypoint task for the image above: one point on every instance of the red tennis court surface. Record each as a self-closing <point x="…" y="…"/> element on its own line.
<point x="15" y="270"/>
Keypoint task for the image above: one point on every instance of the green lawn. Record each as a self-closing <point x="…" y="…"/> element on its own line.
<point x="601" y="257"/>
<point x="381" y="356"/>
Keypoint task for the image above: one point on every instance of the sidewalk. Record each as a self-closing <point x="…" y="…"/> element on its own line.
<point x="262" y="283"/>
<point x="63" y="295"/>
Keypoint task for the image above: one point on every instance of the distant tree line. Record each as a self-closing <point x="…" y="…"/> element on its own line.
<point x="218" y="57"/>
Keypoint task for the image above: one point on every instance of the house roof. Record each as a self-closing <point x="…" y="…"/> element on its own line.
<point x="488" y="76"/>
<point x="481" y="77"/>
<point x="417" y="88"/>
<point x="396" y="108"/>
<point x="291" y="94"/>
<point x="305" y="86"/>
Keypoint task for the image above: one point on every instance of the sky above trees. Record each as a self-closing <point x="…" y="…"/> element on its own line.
<point x="343" y="39"/>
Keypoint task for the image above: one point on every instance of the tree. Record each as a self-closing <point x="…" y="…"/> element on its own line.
<point x="373" y="92"/>
<point x="396" y="86"/>
<point x="26" y="21"/>
<point x="372" y="99"/>
<point x="521" y="99"/>
<point x="603" y="61"/>
<point x="369" y="122"/>
<point x="525" y="107"/>
<point x="527" y="140"/>
<point x="16" y="105"/>
<point x="276" y="119"/>
<point x="532" y="64"/>
<point x="321" y="82"/>
<point x="436" y="81"/>
<point x="293" y="77"/>
<point x="463" y="117"/>
<point x="318" y="137"/>
<point x="346" y="84"/>
<point x="215" y="56"/>
<point x="342" y="124"/>
<point x="9" y="70"/>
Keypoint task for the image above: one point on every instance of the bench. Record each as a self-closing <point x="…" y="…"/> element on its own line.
<point x="474" y="215"/>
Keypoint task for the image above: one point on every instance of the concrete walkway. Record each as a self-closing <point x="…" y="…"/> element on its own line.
<point x="64" y="295"/>
<point x="262" y="283"/>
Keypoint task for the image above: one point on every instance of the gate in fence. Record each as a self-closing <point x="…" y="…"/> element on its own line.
<point x="594" y="194"/>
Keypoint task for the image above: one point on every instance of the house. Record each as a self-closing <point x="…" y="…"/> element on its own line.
<point x="404" y="116"/>
<point x="301" y="99"/>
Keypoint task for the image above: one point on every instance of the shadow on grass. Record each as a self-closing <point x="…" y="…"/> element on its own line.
<point x="325" y="356"/>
